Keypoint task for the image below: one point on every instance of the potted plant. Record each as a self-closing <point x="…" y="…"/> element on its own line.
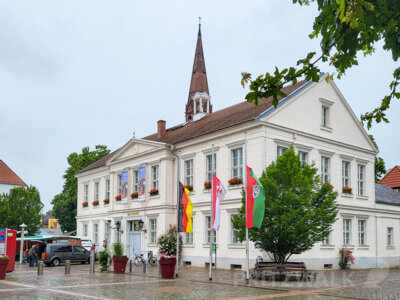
<point x="85" y="204"/>
<point x="95" y="203"/>
<point x="153" y="192"/>
<point x="167" y="249"/>
<point x="118" y="198"/>
<point x="106" y="201"/>
<point x="235" y="181"/>
<point x="119" y="260"/>
<point x="103" y="257"/>
<point x="347" y="190"/>
<point x="4" y="259"/>
<point x="346" y="258"/>
<point x="134" y="195"/>
<point x="207" y="185"/>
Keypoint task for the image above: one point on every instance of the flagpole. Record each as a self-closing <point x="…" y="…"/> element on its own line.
<point x="212" y="210"/>
<point x="178" y="175"/>
<point x="247" y="230"/>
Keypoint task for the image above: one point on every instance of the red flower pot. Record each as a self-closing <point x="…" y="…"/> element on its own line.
<point x="167" y="267"/>
<point x="119" y="264"/>
<point x="3" y="267"/>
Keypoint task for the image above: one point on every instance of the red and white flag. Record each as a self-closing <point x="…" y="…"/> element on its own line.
<point x="218" y="195"/>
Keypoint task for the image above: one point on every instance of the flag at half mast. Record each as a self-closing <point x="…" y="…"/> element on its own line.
<point x="255" y="200"/>
<point x="184" y="210"/>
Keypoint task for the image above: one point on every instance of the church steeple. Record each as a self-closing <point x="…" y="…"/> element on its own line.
<point x="198" y="103"/>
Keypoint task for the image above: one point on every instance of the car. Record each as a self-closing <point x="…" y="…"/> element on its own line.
<point x="87" y="243"/>
<point x="58" y="253"/>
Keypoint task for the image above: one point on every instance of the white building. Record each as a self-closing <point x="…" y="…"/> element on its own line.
<point x="8" y="179"/>
<point x="314" y="117"/>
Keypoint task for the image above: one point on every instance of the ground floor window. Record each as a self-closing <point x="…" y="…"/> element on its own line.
<point x="188" y="237"/>
<point x="208" y="230"/>
<point x="153" y="230"/>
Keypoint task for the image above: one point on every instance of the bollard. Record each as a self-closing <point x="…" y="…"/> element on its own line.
<point x="130" y="266"/>
<point x="67" y="267"/>
<point x="144" y="266"/>
<point x="92" y="262"/>
<point x="40" y="268"/>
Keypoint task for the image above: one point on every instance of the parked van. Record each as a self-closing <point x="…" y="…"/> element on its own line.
<point x="86" y="243"/>
<point x="58" y="253"/>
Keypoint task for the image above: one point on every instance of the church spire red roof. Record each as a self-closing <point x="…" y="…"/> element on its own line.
<point x="199" y="77"/>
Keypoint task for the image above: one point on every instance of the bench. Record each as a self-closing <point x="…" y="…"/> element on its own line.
<point x="271" y="269"/>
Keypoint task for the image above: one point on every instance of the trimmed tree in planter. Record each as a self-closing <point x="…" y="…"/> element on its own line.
<point x="167" y="250"/>
<point x="119" y="260"/>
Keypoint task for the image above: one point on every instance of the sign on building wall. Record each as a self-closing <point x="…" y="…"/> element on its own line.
<point x="124" y="186"/>
<point x="142" y="183"/>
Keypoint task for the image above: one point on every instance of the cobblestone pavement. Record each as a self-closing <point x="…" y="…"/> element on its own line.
<point x="194" y="283"/>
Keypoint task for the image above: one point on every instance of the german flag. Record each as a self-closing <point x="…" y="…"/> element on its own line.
<point x="185" y="210"/>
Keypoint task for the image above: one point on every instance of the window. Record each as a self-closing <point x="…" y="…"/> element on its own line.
<point x="209" y="167"/>
<point x="345" y="174"/>
<point x="79" y="249"/>
<point x="85" y="193"/>
<point x="280" y="150"/>
<point x="208" y="230"/>
<point x="135" y="181"/>
<point x="234" y="233"/>
<point x="85" y="230"/>
<point x="361" y="180"/>
<point x="96" y="191"/>
<point x="153" y="230"/>
<point x="119" y="188"/>
<point x="303" y="158"/>
<point x="188" y="165"/>
<point x="346" y="231"/>
<point x="188" y="237"/>
<point x="64" y="249"/>
<point x="154" y="177"/>
<point x="107" y="188"/>
<point x="325" y="116"/>
<point x="95" y="233"/>
<point x="325" y="166"/>
<point x="237" y="163"/>
<point x="390" y="242"/>
<point x="362" y="232"/>
<point x="327" y="240"/>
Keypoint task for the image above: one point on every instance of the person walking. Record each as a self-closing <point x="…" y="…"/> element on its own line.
<point x="32" y="256"/>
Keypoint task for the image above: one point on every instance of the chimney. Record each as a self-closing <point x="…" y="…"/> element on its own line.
<point x="161" y="126"/>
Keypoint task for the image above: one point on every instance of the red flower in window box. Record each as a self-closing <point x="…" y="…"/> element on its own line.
<point x="118" y="198"/>
<point x="85" y="204"/>
<point x="346" y="190"/>
<point x="106" y="201"/>
<point x="134" y="195"/>
<point x="207" y="185"/>
<point x="95" y="203"/>
<point x="235" y="181"/>
<point x="153" y="192"/>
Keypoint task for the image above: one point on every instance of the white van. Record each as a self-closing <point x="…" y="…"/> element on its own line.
<point x="86" y="243"/>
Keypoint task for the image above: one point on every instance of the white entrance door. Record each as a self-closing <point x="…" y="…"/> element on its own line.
<point x="135" y="244"/>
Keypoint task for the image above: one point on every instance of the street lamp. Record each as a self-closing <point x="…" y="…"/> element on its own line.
<point x="21" y="248"/>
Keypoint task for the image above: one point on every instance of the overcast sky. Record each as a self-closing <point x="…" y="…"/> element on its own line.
<point x="82" y="73"/>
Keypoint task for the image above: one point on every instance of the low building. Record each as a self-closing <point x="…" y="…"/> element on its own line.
<point x="392" y="179"/>
<point x="8" y="179"/>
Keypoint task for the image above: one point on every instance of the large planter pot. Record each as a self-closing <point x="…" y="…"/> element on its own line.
<point x="3" y="268"/>
<point x="119" y="264"/>
<point x="167" y="267"/>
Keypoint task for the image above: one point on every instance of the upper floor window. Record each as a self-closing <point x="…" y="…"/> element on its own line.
<point x="237" y="162"/>
<point x="153" y="230"/>
<point x="303" y="158"/>
<point x="188" y="165"/>
<point x="210" y="167"/>
<point x="86" y="193"/>
<point x="135" y="180"/>
<point x="390" y="239"/>
<point x="96" y="191"/>
<point x="107" y="188"/>
<point x="346" y="174"/>
<point x="325" y="169"/>
<point x="361" y="180"/>
<point x="154" y="177"/>
<point x="280" y="150"/>
<point x="119" y="182"/>
<point x="325" y="116"/>
<point x="346" y="231"/>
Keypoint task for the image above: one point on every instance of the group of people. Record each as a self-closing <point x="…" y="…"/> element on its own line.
<point x="33" y="255"/>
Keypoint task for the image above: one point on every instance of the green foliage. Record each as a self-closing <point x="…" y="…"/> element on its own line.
<point x="118" y="249"/>
<point x="167" y="242"/>
<point x="380" y="168"/>
<point x="347" y="28"/>
<point x="299" y="210"/>
<point x="104" y="259"/>
<point x="21" y="205"/>
<point x="64" y="204"/>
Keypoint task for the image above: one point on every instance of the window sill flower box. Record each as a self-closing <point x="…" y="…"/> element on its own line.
<point x="95" y="203"/>
<point x="235" y="181"/>
<point x="189" y="187"/>
<point x="134" y="195"/>
<point x="153" y="192"/>
<point x="347" y="190"/>
<point x="106" y="201"/>
<point x="85" y="204"/>
<point x="207" y="185"/>
<point x="118" y="198"/>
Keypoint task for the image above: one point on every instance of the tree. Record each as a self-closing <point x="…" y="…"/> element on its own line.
<point x="347" y="28"/>
<point x="299" y="210"/>
<point x="64" y="204"/>
<point x="380" y="168"/>
<point x="21" y="205"/>
<point x="167" y="242"/>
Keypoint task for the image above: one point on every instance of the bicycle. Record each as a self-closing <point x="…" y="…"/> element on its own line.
<point x="140" y="260"/>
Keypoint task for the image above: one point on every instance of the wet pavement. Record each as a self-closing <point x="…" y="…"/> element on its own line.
<point x="194" y="283"/>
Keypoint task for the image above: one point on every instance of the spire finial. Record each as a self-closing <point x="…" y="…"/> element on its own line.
<point x="199" y="25"/>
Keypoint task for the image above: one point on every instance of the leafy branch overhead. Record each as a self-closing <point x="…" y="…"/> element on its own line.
<point x="347" y="28"/>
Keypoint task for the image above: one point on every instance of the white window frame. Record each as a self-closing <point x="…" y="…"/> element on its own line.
<point x="325" y="172"/>
<point x="347" y="231"/>
<point x="85" y="230"/>
<point x="208" y="167"/>
<point x="96" y="191"/>
<point x="346" y="173"/>
<point x="325" y="118"/>
<point x="155" y="176"/>
<point x="107" y="188"/>
<point x="135" y="181"/>
<point x="389" y="237"/>
<point x="208" y="231"/>
<point x="328" y="240"/>
<point x="86" y="193"/>
<point x="188" y="236"/>
<point x="361" y="179"/>
<point x="362" y="232"/>
<point x="237" y="162"/>
<point x="96" y="233"/>
<point x="188" y="171"/>
<point x="119" y="184"/>
<point x="153" y="230"/>
<point x="280" y="150"/>
<point x="303" y="156"/>
<point x="233" y="232"/>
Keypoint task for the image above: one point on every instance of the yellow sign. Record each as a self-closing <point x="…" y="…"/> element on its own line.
<point x="133" y="213"/>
